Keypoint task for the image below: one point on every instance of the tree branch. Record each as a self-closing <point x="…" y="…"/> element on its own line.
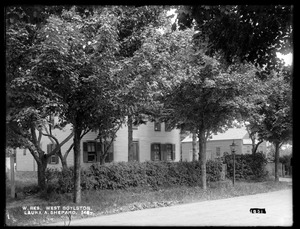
<point x="68" y="151"/>
<point x="33" y="134"/>
<point x="57" y="148"/>
<point x="39" y="138"/>
<point x="49" y="134"/>
<point x="281" y="144"/>
<point x="256" y="146"/>
<point x="34" y="138"/>
<point x="67" y="138"/>
<point x="85" y="132"/>
<point x="58" y="145"/>
<point x="31" y="150"/>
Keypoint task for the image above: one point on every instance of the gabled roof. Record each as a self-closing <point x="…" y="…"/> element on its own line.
<point x="230" y="134"/>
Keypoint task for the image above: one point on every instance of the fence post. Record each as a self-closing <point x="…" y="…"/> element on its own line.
<point x="12" y="176"/>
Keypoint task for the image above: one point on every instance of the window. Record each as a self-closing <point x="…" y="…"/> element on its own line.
<point x="155" y="152"/>
<point x="167" y="127"/>
<point x="218" y="151"/>
<point x="169" y="152"/>
<point x="157" y="126"/>
<point x="134" y="126"/>
<point x="54" y="158"/>
<point x="91" y="152"/>
<point x="162" y="152"/>
<point x="24" y="152"/>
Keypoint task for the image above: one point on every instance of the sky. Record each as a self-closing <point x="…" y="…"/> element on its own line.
<point x="288" y="59"/>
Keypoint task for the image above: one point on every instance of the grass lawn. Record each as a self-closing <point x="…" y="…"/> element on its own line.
<point x="114" y="201"/>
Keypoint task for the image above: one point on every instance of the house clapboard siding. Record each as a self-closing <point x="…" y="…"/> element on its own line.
<point x="144" y="136"/>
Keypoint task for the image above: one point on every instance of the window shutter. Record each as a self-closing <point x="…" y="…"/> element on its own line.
<point x="85" y="155"/>
<point x="98" y="150"/>
<point x="136" y="150"/>
<point x="163" y="152"/>
<point x="111" y="156"/>
<point x="173" y="152"/>
<point x="48" y="148"/>
<point x="152" y="152"/>
<point x="48" y="151"/>
<point x="57" y="159"/>
<point x="111" y="151"/>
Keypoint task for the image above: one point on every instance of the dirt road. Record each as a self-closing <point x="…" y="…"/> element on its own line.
<point x="225" y="212"/>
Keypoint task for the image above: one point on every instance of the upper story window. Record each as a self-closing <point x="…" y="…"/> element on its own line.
<point x="167" y="127"/>
<point x="157" y="126"/>
<point x="134" y="127"/>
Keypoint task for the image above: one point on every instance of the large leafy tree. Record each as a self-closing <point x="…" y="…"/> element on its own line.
<point x="252" y="33"/>
<point x="277" y="124"/>
<point x="189" y="84"/>
<point x="250" y="101"/>
<point x="77" y="60"/>
<point x="136" y="93"/>
<point x="29" y="103"/>
<point x="205" y="102"/>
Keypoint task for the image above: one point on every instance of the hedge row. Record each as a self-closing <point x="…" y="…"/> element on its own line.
<point x="123" y="175"/>
<point x="247" y="166"/>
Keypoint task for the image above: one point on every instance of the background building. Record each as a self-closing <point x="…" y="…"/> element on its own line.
<point x="220" y="143"/>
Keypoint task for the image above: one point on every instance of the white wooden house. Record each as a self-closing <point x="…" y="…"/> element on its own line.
<point x="220" y="143"/>
<point x="151" y="141"/>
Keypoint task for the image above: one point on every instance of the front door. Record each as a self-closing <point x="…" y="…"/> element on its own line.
<point x="134" y="156"/>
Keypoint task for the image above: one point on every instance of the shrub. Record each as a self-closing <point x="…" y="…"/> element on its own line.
<point x="124" y="175"/>
<point x="247" y="166"/>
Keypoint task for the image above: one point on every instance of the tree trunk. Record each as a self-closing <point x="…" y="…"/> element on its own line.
<point x="276" y="161"/>
<point x="42" y="166"/>
<point x="194" y="143"/>
<point x="202" y="157"/>
<point x="130" y="137"/>
<point x="253" y="146"/>
<point x="77" y="160"/>
<point x="102" y="159"/>
<point x="64" y="164"/>
<point x="63" y="161"/>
